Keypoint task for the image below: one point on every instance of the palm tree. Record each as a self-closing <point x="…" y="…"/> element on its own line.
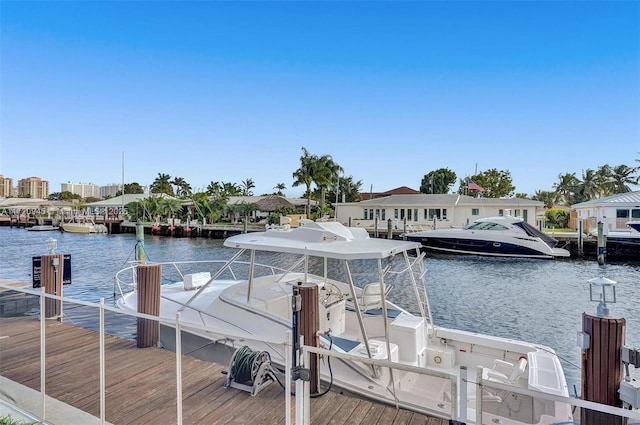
<point x="304" y="176"/>
<point x="603" y="180"/>
<point x="149" y="207"/>
<point x="231" y="189"/>
<point x="183" y="189"/>
<point x="325" y="173"/>
<point x="214" y="188"/>
<point x="246" y="186"/>
<point x="589" y="188"/>
<point x="548" y="198"/>
<point x="162" y="184"/>
<point x="348" y="190"/>
<point x="279" y="188"/>
<point x="566" y="187"/>
<point x="169" y="206"/>
<point x="621" y="177"/>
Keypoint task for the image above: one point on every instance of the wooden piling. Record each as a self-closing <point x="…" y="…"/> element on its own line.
<point x="389" y="229"/>
<point x="51" y="279"/>
<point x="148" y="278"/>
<point x="602" y="367"/>
<point x="309" y="327"/>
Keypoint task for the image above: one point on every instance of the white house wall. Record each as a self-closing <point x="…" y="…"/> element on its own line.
<point x="456" y="215"/>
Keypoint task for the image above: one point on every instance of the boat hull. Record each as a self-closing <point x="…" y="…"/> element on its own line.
<point x="483" y="247"/>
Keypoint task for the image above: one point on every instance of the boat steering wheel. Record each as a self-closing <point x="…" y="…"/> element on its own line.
<point x="330" y="295"/>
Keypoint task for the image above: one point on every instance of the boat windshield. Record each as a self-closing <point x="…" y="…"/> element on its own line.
<point x="532" y="231"/>
<point x="485" y="225"/>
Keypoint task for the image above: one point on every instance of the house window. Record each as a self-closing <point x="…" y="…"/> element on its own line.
<point x="366" y="214"/>
<point x="476" y="211"/>
<point x="444" y="213"/>
<point x="525" y="215"/>
<point x="402" y="214"/>
<point x="434" y="213"/>
<point x="395" y="213"/>
<point x="415" y="214"/>
<point x="383" y="217"/>
<point x="500" y="212"/>
<point x="371" y="217"/>
<point x="635" y="213"/>
<point x="516" y="213"/>
<point x="409" y="214"/>
<point x="622" y="213"/>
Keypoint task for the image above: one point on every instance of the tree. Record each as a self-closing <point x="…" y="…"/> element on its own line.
<point x="131" y="188"/>
<point x="279" y="188"/>
<point x="566" y="187"/>
<point x="548" y="198"/>
<point x="183" y="189"/>
<point x="348" y="190"/>
<point x="162" y="184"/>
<point x="621" y="178"/>
<point x="321" y="170"/>
<point x="304" y="176"/>
<point x="438" y="181"/>
<point x="496" y="184"/>
<point x="588" y="188"/>
<point x="169" y="206"/>
<point x="325" y="173"/>
<point x="246" y="186"/>
<point x="231" y="189"/>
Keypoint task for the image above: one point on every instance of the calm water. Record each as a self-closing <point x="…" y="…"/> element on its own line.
<point x="531" y="300"/>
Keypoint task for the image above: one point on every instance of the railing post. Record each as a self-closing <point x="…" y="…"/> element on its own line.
<point x="178" y="369"/>
<point x="102" y="364"/>
<point x="307" y="389"/>
<point x="43" y="362"/>
<point x="462" y="393"/>
<point x="479" y="395"/>
<point x="287" y="378"/>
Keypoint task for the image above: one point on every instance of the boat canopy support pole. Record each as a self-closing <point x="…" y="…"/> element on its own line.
<point x="385" y="319"/>
<point x="213" y="278"/>
<point x="252" y="264"/>
<point x="365" y="338"/>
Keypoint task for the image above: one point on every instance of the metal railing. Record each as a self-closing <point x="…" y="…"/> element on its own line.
<point x="459" y="382"/>
<point x="459" y="395"/>
<point x="101" y="307"/>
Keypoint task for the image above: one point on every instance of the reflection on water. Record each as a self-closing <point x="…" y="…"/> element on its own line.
<point x="531" y="300"/>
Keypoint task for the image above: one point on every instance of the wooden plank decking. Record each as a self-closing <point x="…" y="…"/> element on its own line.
<point x="140" y="383"/>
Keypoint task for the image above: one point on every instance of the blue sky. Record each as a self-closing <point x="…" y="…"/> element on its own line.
<point x="224" y="91"/>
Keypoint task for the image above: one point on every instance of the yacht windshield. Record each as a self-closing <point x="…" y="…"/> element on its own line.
<point x="532" y="231"/>
<point x="485" y="225"/>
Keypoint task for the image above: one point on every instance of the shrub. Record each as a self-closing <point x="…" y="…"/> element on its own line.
<point x="557" y="217"/>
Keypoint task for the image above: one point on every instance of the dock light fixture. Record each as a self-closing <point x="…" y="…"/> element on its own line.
<point x="598" y="289"/>
<point x="51" y="245"/>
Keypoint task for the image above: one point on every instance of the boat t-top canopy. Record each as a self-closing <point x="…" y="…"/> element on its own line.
<point x="322" y="239"/>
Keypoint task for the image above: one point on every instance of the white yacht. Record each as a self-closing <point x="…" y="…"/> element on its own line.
<point x="357" y="279"/>
<point x="502" y="236"/>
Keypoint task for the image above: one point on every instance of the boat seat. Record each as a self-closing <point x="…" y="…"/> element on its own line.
<point x="370" y="299"/>
<point x="505" y="372"/>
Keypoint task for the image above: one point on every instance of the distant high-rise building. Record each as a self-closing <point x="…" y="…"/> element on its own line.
<point x="110" y="190"/>
<point x="33" y="187"/>
<point x="6" y="187"/>
<point x="84" y="190"/>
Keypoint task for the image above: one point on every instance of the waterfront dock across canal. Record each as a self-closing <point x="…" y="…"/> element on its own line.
<point x="141" y="383"/>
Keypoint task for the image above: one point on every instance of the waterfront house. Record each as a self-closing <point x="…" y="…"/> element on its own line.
<point x="614" y="210"/>
<point x="421" y="211"/>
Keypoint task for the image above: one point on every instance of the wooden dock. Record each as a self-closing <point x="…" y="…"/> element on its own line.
<point x="141" y="383"/>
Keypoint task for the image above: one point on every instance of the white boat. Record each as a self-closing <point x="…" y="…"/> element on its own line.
<point x="358" y="277"/>
<point x="83" y="225"/>
<point x="43" y="228"/>
<point x="502" y="236"/>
